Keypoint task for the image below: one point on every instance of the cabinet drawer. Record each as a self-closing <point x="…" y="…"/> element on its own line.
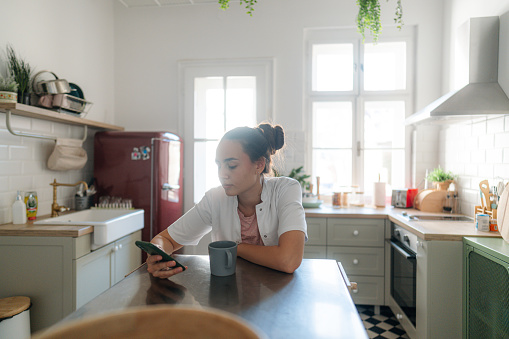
<point x="317" y="231"/>
<point x="315" y="252"/>
<point x="356" y="232"/>
<point x="370" y="290"/>
<point x="358" y="260"/>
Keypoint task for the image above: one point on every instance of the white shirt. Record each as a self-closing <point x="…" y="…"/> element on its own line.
<point x="280" y="211"/>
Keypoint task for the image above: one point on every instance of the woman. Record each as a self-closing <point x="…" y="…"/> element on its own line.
<point x="264" y="215"/>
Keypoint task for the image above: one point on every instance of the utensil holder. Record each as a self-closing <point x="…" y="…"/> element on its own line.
<point x="83" y="203"/>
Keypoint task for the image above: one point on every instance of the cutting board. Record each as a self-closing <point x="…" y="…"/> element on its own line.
<point x="503" y="214"/>
<point x="430" y="201"/>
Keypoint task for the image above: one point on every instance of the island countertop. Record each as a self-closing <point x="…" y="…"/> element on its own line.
<point x="313" y="302"/>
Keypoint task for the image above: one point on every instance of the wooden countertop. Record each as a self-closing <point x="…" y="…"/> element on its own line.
<point x="31" y="230"/>
<point x="426" y="230"/>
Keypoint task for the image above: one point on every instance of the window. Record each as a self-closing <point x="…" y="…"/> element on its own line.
<point x="357" y="98"/>
<point x="218" y="96"/>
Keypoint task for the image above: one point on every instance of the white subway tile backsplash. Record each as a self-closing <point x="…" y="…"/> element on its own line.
<point x="478" y="156"/>
<point x="5" y="215"/>
<point x="23" y="164"/>
<point x="4" y="152"/>
<point x="502" y="139"/>
<point x="4" y="184"/>
<point x="487" y="141"/>
<point x="61" y="130"/>
<point x="479" y="128"/>
<point x="20" y="152"/>
<point x="42" y="126"/>
<point x="20" y="123"/>
<point x="494" y="155"/>
<point x="471" y="170"/>
<point x="10" y="167"/>
<point x="501" y="170"/>
<point x="495" y="125"/>
<point x="21" y="183"/>
<point x="506" y="156"/>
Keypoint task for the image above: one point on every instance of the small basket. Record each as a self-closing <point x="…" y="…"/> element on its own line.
<point x="71" y="103"/>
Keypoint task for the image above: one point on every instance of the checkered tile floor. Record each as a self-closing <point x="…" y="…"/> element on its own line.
<point x="383" y="325"/>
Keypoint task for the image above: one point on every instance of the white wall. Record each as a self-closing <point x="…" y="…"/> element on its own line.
<point x="150" y="41"/>
<point x="74" y="39"/>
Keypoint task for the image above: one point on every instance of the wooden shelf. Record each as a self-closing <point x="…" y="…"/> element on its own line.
<point x="46" y="114"/>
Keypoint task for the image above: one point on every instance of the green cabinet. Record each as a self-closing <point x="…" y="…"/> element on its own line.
<point x="359" y="244"/>
<point x="61" y="274"/>
<point x="485" y="288"/>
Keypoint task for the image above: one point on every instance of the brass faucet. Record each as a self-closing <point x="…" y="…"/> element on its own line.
<point x="55" y="208"/>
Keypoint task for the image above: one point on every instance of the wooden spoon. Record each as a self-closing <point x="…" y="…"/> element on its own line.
<point x="485" y="189"/>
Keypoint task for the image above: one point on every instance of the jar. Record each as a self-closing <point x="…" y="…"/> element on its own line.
<point x="336" y="199"/>
<point x="31" y="202"/>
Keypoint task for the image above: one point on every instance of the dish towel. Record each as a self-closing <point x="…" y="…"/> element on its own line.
<point x="503" y="214"/>
<point x="67" y="155"/>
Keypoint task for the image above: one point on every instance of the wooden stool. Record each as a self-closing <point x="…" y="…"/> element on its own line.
<point x="155" y="322"/>
<point x="15" y="317"/>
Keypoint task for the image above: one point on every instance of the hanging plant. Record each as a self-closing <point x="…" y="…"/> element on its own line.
<point x="368" y="17"/>
<point x="249" y="5"/>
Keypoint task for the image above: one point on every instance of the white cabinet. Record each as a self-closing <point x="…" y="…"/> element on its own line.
<point x="103" y="268"/>
<point x="60" y="274"/>
<point x="359" y="244"/>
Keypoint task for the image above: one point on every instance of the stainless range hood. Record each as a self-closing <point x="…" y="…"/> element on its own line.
<point x="483" y="96"/>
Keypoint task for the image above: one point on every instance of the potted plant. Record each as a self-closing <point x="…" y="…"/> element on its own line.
<point x="21" y="71"/>
<point x="369" y="17"/>
<point x="8" y="90"/>
<point x="440" y="178"/>
<point x="297" y="174"/>
<point x="224" y="4"/>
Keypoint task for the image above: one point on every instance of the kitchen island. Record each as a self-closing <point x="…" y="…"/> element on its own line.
<point x="313" y="302"/>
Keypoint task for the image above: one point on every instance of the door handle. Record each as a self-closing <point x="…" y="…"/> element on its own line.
<point x="168" y="187"/>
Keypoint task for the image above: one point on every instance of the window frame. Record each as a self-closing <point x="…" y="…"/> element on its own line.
<point x="261" y="68"/>
<point x="358" y="96"/>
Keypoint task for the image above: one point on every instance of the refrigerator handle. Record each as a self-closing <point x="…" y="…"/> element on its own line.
<point x="168" y="187"/>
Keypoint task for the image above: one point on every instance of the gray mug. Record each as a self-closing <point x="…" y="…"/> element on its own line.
<point x="223" y="258"/>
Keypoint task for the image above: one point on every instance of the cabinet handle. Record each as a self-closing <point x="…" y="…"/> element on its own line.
<point x="355" y="233"/>
<point x="399" y="316"/>
<point x="115" y="248"/>
<point x="355" y="261"/>
<point x="119" y="246"/>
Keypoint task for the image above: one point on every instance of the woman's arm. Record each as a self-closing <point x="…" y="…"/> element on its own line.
<point x="285" y="257"/>
<point x="163" y="269"/>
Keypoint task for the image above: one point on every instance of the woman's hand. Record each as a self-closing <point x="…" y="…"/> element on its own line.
<point x="162" y="269"/>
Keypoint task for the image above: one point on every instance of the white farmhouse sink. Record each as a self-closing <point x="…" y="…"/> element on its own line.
<point x="109" y="224"/>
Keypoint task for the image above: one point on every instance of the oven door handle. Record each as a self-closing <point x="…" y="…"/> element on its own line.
<point x="402" y="251"/>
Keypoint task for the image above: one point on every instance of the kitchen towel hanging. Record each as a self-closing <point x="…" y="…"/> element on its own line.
<point x="67" y="155"/>
<point x="503" y="214"/>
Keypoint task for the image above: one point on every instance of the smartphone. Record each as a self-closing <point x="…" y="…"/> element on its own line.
<point x="154" y="250"/>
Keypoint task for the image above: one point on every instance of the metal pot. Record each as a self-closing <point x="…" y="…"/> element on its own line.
<point x="57" y="86"/>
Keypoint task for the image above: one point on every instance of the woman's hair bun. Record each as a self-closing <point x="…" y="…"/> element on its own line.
<point x="274" y="134"/>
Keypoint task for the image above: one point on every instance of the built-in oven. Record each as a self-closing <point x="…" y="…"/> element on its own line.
<point x="403" y="249"/>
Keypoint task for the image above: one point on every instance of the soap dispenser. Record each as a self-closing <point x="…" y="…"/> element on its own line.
<point x="19" y="211"/>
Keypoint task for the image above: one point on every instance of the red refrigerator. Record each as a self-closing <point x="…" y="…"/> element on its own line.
<point x="145" y="167"/>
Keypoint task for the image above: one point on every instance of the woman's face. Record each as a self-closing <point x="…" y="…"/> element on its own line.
<point x="237" y="173"/>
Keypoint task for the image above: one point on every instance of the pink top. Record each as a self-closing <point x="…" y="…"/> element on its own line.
<point x="249" y="229"/>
